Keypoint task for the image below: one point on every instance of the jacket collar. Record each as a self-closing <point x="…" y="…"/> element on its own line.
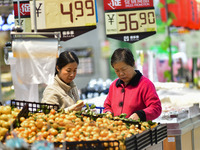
<point x="134" y="81"/>
<point x="65" y="86"/>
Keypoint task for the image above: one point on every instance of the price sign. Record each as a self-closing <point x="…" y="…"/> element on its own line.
<point x="71" y="17"/>
<point x="25" y="20"/>
<point x="130" y="25"/>
<point x="130" y="21"/>
<point x="66" y="13"/>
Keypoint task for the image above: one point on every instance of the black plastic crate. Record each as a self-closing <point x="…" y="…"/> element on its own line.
<point x="90" y="145"/>
<point x="139" y="141"/>
<point x="159" y="133"/>
<point x="34" y="106"/>
<point x="131" y="143"/>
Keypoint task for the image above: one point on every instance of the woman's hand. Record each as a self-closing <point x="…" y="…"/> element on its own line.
<point x="108" y="112"/>
<point x="75" y="107"/>
<point x="134" y="116"/>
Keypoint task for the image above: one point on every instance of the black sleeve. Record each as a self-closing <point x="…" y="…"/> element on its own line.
<point x="141" y="115"/>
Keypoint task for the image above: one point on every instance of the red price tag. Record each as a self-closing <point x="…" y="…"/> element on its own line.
<point x="24" y="9"/>
<point x="126" y="4"/>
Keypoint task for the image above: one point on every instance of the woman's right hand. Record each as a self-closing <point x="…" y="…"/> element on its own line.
<point x="108" y="112"/>
<point x="134" y="116"/>
<point x="75" y="107"/>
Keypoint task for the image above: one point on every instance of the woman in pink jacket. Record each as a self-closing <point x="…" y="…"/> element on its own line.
<point x="131" y="93"/>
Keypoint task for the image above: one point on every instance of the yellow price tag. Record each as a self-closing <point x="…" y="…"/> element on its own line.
<point x="70" y="13"/>
<point x="134" y="21"/>
<point x="53" y="14"/>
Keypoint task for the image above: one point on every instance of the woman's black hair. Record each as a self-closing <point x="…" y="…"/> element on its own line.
<point x="123" y="55"/>
<point x="65" y="58"/>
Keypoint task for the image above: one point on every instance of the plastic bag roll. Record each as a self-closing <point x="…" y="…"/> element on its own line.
<point x="35" y="59"/>
<point x="27" y="92"/>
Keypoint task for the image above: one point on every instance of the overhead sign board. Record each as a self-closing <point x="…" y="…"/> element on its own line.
<point x="70" y="17"/>
<point x="129" y="20"/>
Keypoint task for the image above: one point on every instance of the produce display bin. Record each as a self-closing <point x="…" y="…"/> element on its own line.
<point x="146" y="138"/>
<point x="138" y="141"/>
<point x="90" y="145"/>
<point x="158" y="134"/>
<point x="34" y="107"/>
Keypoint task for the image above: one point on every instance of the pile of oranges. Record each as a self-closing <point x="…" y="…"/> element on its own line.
<point x="60" y="127"/>
<point x="7" y="116"/>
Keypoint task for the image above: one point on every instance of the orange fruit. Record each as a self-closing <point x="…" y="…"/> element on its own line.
<point x="44" y="128"/>
<point x="53" y="131"/>
<point x="55" y="125"/>
<point x="39" y="124"/>
<point x="52" y="111"/>
<point x="45" y="134"/>
<point x="22" y="119"/>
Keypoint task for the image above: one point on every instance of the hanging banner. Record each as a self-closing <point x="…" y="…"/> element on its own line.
<point x="25" y="20"/>
<point x="192" y="14"/>
<point x="198" y="14"/>
<point x="177" y="9"/>
<point x="71" y="17"/>
<point x="183" y="19"/>
<point x="187" y="7"/>
<point x="129" y="20"/>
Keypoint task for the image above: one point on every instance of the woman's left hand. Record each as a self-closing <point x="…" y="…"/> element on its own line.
<point x="134" y="116"/>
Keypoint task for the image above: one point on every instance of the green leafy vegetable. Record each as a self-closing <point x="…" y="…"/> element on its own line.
<point x="123" y="115"/>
